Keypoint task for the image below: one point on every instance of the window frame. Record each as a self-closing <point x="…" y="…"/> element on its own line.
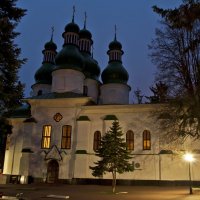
<point x="146" y="140"/>
<point x="130" y="140"/>
<point x="66" y="140"/>
<point x="46" y="137"/>
<point x="96" y="141"/>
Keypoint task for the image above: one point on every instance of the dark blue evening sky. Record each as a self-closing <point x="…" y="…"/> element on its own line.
<point x="135" y="22"/>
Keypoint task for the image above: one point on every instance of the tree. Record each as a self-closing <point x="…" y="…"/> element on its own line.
<point x="138" y="96"/>
<point x="11" y="90"/>
<point x="160" y="93"/>
<point x="113" y="155"/>
<point x="176" y="53"/>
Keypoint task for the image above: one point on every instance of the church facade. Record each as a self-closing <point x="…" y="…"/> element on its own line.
<point x="56" y="134"/>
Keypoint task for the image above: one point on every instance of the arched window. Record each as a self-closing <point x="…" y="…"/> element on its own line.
<point x="130" y="140"/>
<point x="97" y="140"/>
<point x="46" y="137"/>
<point x="66" y="137"/>
<point x="146" y="140"/>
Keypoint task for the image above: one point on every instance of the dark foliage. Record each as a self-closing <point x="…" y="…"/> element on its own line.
<point x="176" y="53"/>
<point x="11" y="90"/>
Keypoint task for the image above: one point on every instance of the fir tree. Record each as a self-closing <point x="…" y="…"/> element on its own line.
<point x="113" y="154"/>
<point x="11" y="90"/>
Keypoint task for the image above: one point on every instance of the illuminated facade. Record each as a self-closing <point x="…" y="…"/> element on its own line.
<point x="55" y="136"/>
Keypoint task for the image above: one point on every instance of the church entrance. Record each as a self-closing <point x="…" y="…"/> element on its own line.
<point x="52" y="171"/>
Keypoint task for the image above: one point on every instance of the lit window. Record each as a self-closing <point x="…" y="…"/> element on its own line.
<point x="130" y="140"/>
<point x="97" y="140"/>
<point x="46" y="137"/>
<point x="146" y="140"/>
<point x="66" y="137"/>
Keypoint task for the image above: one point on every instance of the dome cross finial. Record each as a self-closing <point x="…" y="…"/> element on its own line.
<point x="73" y="14"/>
<point x="52" y="31"/>
<point x="85" y="19"/>
<point x="115" y="38"/>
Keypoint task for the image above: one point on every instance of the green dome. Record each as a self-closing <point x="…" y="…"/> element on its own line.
<point x="69" y="58"/>
<point x="91" y="67"/>
<point x="72" y="27"/>
<point x="115" y="45"/>
<point x="84" y="33"/>
<point x="43" y="74"/>
<point x="50" y="46"/>
<point x="115" y="73"/>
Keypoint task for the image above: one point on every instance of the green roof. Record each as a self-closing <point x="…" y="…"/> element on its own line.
<point x="81" y="152"/>
<point x="69" y="58"/>
<point x="43" y="74"/>
<point x="166" y="151"/>
<point x="110" y="117"/>
<point x="114" y="73"/>
<point x="91" y="69"/>
<point x="30" y="120"/>
<point x="83" y="118"/>
<point x="21" y="112"/>
<point x="56" y="95"/>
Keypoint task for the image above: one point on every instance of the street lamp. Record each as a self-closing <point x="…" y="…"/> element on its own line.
<point x="189" y="158"/>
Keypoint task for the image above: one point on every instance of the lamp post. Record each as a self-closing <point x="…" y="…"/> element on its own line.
<point x="189" y="158"/>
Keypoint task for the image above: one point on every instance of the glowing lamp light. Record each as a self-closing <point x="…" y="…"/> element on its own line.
<point x="188" y="157"/>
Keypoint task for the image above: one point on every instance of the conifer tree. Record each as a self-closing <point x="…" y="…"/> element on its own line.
<point x="11" y="90"/>
<point x="113" y="154"/>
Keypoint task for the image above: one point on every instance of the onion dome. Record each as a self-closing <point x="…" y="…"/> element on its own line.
<point x="115" y="45"/>
<point x="91" y="67"/>
<point x="84" y="33"/>
<point x="115" y="71"/>
<point x="70" y="57"/>
<point x="50" y="46"/>
<point x="43" y="74"/>
<point x="72" y="27"/>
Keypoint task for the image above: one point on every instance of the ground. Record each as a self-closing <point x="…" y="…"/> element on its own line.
<point x="98" y="192"/>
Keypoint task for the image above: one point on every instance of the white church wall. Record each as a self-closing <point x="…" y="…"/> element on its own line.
<point x="173" y="167"/>
<point x="114" y="93"/>
<point x="65" y="170"/>
<point x="13" y="154"/>
<point x="83" y="132"/>
<point x="38" y="166"/>
<point x="149" y="164"/>
<point x="24" y="164"/>
<point x="93" y="88"/>
<point x="129" y="119"/>
<point x="65" y="80"/>
<point x="40" y="88"/>
<point x="195" y="165"/>
<point x="81" y="166"/>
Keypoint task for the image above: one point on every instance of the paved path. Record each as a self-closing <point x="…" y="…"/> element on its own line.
<point x="97" y="192"/>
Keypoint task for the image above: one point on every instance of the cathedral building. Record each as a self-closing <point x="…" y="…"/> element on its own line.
<point x="58" y="129"/>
